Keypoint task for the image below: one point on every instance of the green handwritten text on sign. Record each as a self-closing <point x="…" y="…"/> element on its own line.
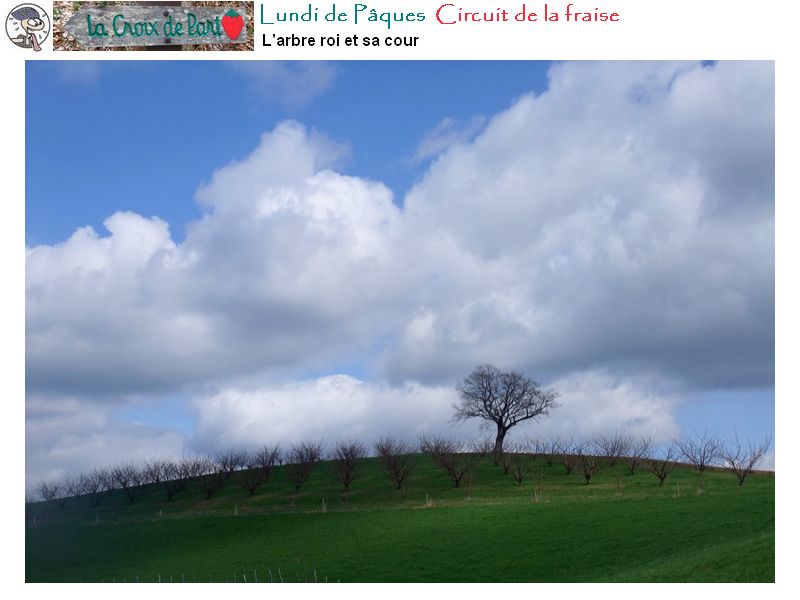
<point x="156" y="26"/>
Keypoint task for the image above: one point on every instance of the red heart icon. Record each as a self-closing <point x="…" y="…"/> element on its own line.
<point x="232" y="23"/>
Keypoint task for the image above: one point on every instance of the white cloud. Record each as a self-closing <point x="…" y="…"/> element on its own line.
<point x="595" y="402"/>
<point x="606" y="221"/>
<point x="339" y="406"/>
<point x="616" y="228"/>
<point x="329" y="408"/>
<point x="272" y="276"/>
<point x="447" y="133"/>
<point x="64" y="436"/>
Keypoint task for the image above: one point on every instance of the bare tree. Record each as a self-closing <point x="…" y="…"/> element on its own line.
<point x="302" y="459"/>
<point x="535" y="447"/>
<point x="613" y="446"/>
<point x="741" y="460"/>
<point x="72" y="486"/>
<point x="264" y="459"/>
<point x="397" y="460"/>
<point x="701" y="451"/>
<point x="661" y="462"/>
<point x="251" y="479"/>
<point x="450" y="456"/>
<point x="587" y="459"/>
<point x="94" y="484"/>
<point x="481" y="446"/>
<point x="194" y="468"/>
<point x="520" y="460"/>
<point x="567" y="452"/>
<point x="63" y="488"/>
<point x="152" y="471"/>
<point x="214" y="479"/>
<point x="173" y="477"/>
<point x="49" y="490"/>
<point x="348" y="460"/>
<point x="551" y="449"/>
<point x="504" y="399"/>
<point x="126" y="478"/>
<point x="638" y="451"/>
<point x="232" y="459"/>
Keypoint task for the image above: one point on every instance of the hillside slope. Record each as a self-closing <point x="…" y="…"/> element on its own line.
<point x="618" y="528"/>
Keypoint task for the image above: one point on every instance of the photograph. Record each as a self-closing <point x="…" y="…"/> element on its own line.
<point x="398" y="321"/>
<point x="159" y="26"/>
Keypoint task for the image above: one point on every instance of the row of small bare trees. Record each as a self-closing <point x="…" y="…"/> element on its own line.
<point x="587" y="456"/>
<point x="171" y="476"/>
<point x="397" y="459"/>
<point x="459" y="459"/>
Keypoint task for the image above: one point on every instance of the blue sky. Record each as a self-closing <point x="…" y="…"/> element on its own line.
<point x="178" y="121"/>
<point x="287" y="250"/>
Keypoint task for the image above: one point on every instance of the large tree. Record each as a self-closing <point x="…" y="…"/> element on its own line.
<point x="504" y="399"/>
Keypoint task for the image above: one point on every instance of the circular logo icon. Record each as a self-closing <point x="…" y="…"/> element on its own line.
<point x="27" y="25"/>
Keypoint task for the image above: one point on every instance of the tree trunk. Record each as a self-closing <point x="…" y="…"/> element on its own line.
<point x="498" y="443"/>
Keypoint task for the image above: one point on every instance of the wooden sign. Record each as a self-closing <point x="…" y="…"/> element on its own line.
<point x="121" y="25"/>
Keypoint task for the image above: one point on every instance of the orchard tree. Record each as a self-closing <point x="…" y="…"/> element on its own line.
<point x="72" y="486"/>
<point x="569" y="451"/>
<point x="449" y="455"/>
<point x="520" y="460"/>
<point x="153" y="471"/>
<point x="638" y="451"/>
<point x="302" y="459"/>
<point x="174" y="476"/>
<point x="232" y="459"/>
<point x="481" y="446"/>
<point x="661" y="461"/>
<point x="741" y="460"/>
<point x="49" y="490"/>
<point x="126" y="478"/>
<point x="250" y="479"/>
<point x="504" y="399"/>
<point x="701" y="451"/>
<point x="397" y="460"/>
<point x="348" y="459"/>
<point x="551" y="449"/>
<point x="214" y="479"/>
<point x="264" y="459"/>
<point x="613" y="447"/>
<point x="587" y="459"/>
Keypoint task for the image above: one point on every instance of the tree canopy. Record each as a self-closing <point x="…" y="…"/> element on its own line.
<point x="503" y="398"/>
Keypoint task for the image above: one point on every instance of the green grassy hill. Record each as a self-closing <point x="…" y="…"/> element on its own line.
<point x="551" y="528"/>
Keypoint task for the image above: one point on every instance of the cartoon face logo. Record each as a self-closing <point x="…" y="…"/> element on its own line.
<point x="27" y="25"/>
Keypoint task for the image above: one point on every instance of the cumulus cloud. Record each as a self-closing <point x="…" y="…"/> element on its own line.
<point x="614" y="230"/>
<point x="64" y="436"/>
<point x="287" y="267"/>
<point x="594" y="402"/>
<point x="618" y="224"/>
<point x="340" y="406"/>
<point x="330" y="408"/>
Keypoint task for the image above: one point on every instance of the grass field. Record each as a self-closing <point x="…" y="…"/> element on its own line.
<point x="618" y="528"/>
